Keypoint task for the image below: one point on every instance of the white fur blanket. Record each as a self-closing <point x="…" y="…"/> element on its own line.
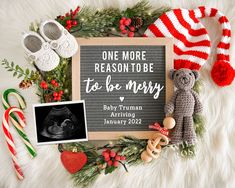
<point x="214" y="164"/>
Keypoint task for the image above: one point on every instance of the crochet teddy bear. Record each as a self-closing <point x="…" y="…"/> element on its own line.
<point x="183" y="105"/>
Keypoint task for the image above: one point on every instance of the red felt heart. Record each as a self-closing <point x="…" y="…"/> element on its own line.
<point x="73" y="161"/>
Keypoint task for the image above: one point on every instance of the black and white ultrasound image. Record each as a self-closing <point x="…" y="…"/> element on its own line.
<point x="60" y="122"/>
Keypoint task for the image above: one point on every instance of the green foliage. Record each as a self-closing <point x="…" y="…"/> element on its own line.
<point x="62" y="74"/>
<point x="19" y="72"/>
<point x="197" y="86"/>
<point x="127" y="146"/>
<point x="199" y="125"/>
<point x="132" y="149"/>
<point x="105" y="22"/>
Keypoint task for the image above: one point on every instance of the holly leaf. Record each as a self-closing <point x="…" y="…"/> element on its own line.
<point x="109" y="169"/>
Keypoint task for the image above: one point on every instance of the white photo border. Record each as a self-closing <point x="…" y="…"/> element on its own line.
<point x="60" y="103"/>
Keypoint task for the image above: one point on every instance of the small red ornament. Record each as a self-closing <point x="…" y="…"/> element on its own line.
<point x="73" y="161"/>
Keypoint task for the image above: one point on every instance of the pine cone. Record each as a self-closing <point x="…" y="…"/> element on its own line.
<point x="137" y="22"/>
<point x="48" y="98"/>
<point x="24" y="84"/>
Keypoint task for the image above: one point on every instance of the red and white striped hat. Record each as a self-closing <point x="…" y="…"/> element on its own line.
<point x="192" y="42"/>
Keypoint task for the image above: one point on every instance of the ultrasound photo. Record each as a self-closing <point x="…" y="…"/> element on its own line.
<point x="60" y="122"/>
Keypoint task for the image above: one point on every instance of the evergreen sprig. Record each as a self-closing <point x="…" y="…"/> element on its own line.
<point x="127" y="146"/>
<point x="20" y="72"/>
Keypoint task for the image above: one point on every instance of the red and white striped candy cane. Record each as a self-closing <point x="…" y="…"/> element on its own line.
<point x="9" y="139"/>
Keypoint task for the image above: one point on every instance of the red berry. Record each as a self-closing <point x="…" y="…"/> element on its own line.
<point x="121" y="22"/>
<point x="132" y="28"/>
<point x="61" y="17"/>
<point x="61" y="92"/>
<point x="53" y="82"/>
<point x="43" y="82"/>
<point x="118" y="157"/>
<point x="107" y="159"/>
<point x="115" y="163"/>
<point x="110" y="163"/>
<point x="131" y="34"/>
<point x="123" y="18"/>
<point x="124" y="31"/>
<point x="56" y="84"/>
<point x="68" y="22"/>
<point x="55" y="98"/>
<point x="78" y="8"/>
<point x="105" y="154"/>
<point x="43" y="85"/>
<point x="58" y="98"/>
<point x="127" y="22"/>
<point x="67" y="14"/>
<point x="55" y="94"/>
<point x="123" y="158"/>
<point x="122" y="27"/>
<point x="112" y="154"/>
<point x="68" y="28"/>
<point x="74" y="22"/>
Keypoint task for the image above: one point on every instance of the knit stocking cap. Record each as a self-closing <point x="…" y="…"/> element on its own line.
<point x="192" y="42"/>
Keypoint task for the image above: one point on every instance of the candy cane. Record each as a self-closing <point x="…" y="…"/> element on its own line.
<point x="17" y="122"/>
<point x="9" y="139"/>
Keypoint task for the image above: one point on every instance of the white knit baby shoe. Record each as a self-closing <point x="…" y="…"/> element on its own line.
<point x="59" y="38"/>
<point x="39" y="51"/>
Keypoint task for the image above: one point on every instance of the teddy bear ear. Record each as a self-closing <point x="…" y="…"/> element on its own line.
<point x="196" y="74"/>
<point x="171" y="74"/>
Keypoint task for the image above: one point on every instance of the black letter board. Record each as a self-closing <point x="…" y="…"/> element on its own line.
<point x="124" y="83"/>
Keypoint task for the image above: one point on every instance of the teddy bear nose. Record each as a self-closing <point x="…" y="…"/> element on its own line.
<point x="185" y="79"/>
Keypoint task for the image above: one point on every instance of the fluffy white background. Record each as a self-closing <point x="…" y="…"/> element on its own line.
<point x="214" y="164"/>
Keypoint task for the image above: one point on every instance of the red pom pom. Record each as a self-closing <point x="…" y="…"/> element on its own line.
<point x="222" y="73"/>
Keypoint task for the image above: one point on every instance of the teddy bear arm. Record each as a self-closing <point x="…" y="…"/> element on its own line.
<point x="198" y="105"/>
<point x="170" y="106"/>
